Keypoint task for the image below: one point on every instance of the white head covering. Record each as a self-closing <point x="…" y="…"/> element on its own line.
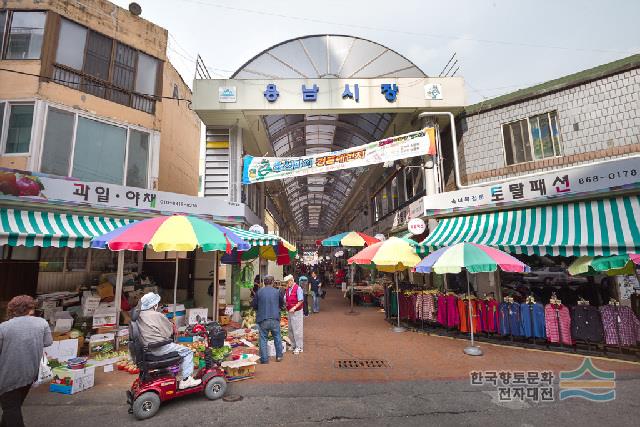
<point x="288" y="277"/>
<point x="149" y="300"/>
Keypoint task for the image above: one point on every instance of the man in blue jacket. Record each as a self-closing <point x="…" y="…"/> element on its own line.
<point x="268" y="302"/>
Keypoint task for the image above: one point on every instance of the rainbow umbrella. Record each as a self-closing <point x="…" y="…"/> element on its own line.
<point x="350" y="239"/>
<point x="167" y="233"/>
<point x="392" y="255"/>
<point x="473" y="258"/>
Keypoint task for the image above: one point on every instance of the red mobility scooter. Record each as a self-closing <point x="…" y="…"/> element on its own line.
<point x="157" y="380"/>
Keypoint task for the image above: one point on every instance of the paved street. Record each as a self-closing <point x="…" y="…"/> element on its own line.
<point x="427" y="382"/>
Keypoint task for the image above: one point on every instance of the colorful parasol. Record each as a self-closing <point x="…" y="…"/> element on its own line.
<point x="168" y="233"/>
<point x="171" y="233"/>
<point x="392" y="255"/>
<point x="473" y="257"/>
<point x="350" y="239"/>
<point x="611" y="265"/>
<point x="263" y="245"/>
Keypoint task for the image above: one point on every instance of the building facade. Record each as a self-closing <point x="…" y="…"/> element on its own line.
<point x="86" y="91"/>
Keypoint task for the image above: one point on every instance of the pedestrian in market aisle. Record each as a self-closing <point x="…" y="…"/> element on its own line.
<point x="316" y="289"/>
<point x="22" y="340"/>
<point x="268" y="302"/>
<point x="303" y="281"/>
<point x="294" y="299"/>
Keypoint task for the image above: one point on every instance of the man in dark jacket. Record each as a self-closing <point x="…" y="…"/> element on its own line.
<point x="268" y="302"/>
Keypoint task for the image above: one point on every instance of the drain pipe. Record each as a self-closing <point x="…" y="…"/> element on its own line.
<point x="456" y="163"/>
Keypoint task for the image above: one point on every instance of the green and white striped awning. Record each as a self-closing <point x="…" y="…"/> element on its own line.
<point x="256" y="239"/>
<point x="595" y="227"/>
<point x="46" y="229"/>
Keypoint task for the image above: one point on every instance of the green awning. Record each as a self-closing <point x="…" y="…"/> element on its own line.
<point x="256" y="239"/>
<point x="46" y="229"/>
<point x="595" y="227"/>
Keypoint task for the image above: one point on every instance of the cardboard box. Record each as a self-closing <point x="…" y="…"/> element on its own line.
<point x="105" y="290"/>
<point x="72" y="381"/>
<point x="63" y="349"/>
<point x="193" y="313"/>
<point x="99" y="343"/>
<point x="104" y="316"/>
<point x="122" y="337"/>
<point x="181" y="313"/>
<point x="89" y="305"/>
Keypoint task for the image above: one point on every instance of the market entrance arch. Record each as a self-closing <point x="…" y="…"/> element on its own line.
<point x="309" y="95"/>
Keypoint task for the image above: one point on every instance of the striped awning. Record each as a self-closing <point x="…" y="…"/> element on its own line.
<point x="595" y="227"/>
<point x="46" y="229"/>
<point x="260" y="239"/>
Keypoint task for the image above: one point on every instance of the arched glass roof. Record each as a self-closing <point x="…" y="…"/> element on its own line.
<point x="316" y="200"/>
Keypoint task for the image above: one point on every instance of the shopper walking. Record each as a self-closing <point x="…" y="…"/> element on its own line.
<point x="22" y="340"/>
<point x="316" y="290"/>
<point x="268" y="302"/>
<point x="294" y="299"/>
<point x="303" y="281"/>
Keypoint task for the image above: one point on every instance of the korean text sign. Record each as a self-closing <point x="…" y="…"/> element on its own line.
<point x="419" y="143"/>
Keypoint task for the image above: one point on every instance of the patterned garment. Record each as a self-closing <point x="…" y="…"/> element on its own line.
<point x="515" y="320"/>
<point x="493" y="316"/>
<point x="483" y="308"/>
<point x="586" y="324"/>
<point x="503" y="313"/>
<point x="428" y="307"/>
<point x="558" y="324"/>
<point x="620" y="321"/>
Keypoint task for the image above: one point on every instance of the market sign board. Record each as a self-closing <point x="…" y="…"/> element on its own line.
<point x="50" y="189"/>
<point x="603" y="177"/>
<point x="418" y="143"/>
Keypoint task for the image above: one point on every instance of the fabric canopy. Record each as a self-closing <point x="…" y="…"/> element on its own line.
<point x="261" y="239"/>
<point x="586" y="228"/>
<point x="46" y="229"/>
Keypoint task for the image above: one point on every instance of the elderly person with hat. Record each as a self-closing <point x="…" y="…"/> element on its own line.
<point x="294" y="300"/>
<point x="156" y="328"/>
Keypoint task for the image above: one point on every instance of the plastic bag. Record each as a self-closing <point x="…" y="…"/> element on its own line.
<point x="45" y="374"/>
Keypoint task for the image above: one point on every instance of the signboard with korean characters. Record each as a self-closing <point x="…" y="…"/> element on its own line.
<point x="416" y="226"/>
<point x="619" y="174"/>
<point x="45" y="188"/>
<point x="418" y="143"/>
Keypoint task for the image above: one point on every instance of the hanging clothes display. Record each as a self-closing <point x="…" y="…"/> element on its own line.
<point x="483" y="319"/>
<point x="448" y="315"/>
<point x="493" y="316"/>
<point x="621" y="326"/>
<point x="425" y="306"/>
<point x="532" y="315"/>
<point x="586" y="324"/>
<point x="463" y="311"/>
<point x="558" y="324"/>
<point x="505" y="325"/>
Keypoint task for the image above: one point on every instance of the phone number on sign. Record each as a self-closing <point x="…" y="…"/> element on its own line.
<point x="611" y="176"/>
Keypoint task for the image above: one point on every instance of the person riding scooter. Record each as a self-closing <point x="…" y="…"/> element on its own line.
<point x="156" y="328"/>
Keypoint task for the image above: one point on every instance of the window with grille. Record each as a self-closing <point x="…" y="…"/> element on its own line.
<point x="96" y="64"/>
<point x="535" y="138"/>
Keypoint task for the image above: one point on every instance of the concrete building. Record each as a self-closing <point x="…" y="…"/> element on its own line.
<point x="85" y="89"/>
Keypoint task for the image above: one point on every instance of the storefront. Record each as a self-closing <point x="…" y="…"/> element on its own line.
<point x="554" y="235"/>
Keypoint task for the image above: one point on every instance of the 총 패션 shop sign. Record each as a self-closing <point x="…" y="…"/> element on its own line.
<point x="419" y="143"/>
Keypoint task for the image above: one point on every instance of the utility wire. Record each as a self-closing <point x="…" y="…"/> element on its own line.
<point x="391" y="30"/>
<point x="93" y="84"/>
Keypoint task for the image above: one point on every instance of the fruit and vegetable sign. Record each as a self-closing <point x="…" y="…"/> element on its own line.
<point x="419" y="143"/>
<point x="48" y="188"/>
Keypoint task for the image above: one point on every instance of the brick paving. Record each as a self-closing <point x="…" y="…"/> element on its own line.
<point x="332" y="334"/>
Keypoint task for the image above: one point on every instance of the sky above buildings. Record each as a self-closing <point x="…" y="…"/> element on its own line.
<point x="500" y="45"/>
